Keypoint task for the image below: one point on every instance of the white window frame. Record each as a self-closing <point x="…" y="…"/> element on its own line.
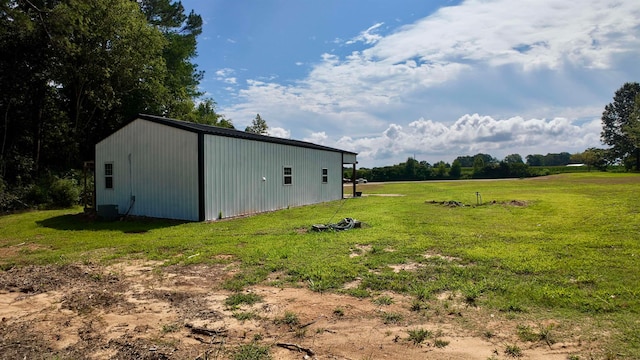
<point x="108" y="174"/>
<point x="287" y="178"/>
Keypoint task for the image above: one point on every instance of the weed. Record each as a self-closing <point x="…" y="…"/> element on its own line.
<point x="289" y="318"/>
<point x="257" y="337"/>
<point x="489" y="334"/>
<point x="545" y="334"/>
<point x="251" y="352"/>
<point x="439" y="343"/>
<point x="417" y="336"/>
<point x="391" y="318"/>
<point x="526" y="333"/>
<point x="339" y="312"/>
<point x="513" y="351"/>
<point x="383" y="300"/>
<point x="242" y="298"/>
<point x="573" y="357"/>
<point x="300" y="333"/>
<point x="417" y="305"/>
<point x="245" y="315"/>
<point x="170" y="328"/>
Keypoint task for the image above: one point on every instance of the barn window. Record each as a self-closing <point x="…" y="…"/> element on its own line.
<point x="287" y="175"/>
<point x="325" y="175"/>
<point x="108" y="175"/>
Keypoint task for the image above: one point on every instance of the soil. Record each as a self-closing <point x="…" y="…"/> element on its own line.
<point x="145" y="310"/>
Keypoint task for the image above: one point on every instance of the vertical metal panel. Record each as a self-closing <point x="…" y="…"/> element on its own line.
<point x="246" y="176"/>
<point x="156" y="164"/>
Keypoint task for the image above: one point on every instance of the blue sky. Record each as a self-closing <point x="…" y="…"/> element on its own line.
<point x="426" y="79"/>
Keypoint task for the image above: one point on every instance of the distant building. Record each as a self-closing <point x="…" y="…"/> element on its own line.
<point x="167" y="168"/>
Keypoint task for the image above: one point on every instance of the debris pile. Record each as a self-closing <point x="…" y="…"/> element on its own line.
<point x="344" y="224"/>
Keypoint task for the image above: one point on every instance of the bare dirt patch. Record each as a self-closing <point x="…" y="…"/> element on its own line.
<point x="143" y="310"/>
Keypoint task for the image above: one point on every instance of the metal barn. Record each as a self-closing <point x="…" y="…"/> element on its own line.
<point x="167" y="168"/>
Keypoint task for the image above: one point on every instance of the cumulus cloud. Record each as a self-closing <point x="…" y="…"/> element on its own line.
<point x="472" y="134"/>
<point x="279" y="132"/>
<point x="534" y="67"/>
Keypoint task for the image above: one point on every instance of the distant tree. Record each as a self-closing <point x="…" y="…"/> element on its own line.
<point x="535" y="160"/>
<point x="410" y="168"/>
<point x="513" y="159"/>
<point x="618" y="123"/>
<point x="593" y="157"/>
<point x="456" y="169"/>
<point x="258" y="126"/>
<point x="478" y="164"/>
<point x="206" y="114"/>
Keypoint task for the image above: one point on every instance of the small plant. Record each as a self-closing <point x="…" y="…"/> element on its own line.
<point x="513" y="351"/>
<point x="289" y="318"/>
<point x="439" y="343"/>
<point x="417" y="305"/>
<point x="170" y="328"/>
<point x="417" y="336"/>
<point x="546" y="335"/>
<point x="339" y="312"/>
<point x="489" y="334"/>
<point x="391" y="318"/>
<point x="251" y="352"/>
<point x="525" y="333"/>
<point x="383" y="300"/>
<point x="300" y="333"/>
<point x="257" y="337"/>
<point x="242" y="298"/>
<point x="573" y="357"/>
<point x="245" y="315"/>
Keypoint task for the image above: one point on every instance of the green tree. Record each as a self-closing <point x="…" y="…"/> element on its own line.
<point x="258" y="126"/>
<point x="205" y="113"/>
<point x="618" y="124"/>
<point x="180" y="32"/>
<point x="478" y="164"/>
<point x="456" y="170"/>
<point x="513" y="159"/>
<point x="535" y="160"/>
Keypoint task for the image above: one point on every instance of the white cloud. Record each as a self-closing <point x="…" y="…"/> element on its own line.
<point x="368" y="36"/>
<point x="469" y="135"/>
<point x="518" y="62"/>
<point x="279" y="132"/>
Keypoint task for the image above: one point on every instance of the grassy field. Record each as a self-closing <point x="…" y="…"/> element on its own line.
<point x="565" y="247"/>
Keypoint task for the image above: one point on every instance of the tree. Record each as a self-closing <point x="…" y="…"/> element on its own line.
<point x="535" y="160"/>
<point x="258" y="126"/>
<point x="513" y="159"/>
<point x="180" y="32"/>
<point x="456" y="169"/>
<point x="206" y="114"/>
<point x="618" y="123"/>
<point x="478" y="164"/>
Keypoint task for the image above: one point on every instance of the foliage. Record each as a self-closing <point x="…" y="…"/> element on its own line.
<point x="551" y="159"/>
<point x="258" y="126"/>
<point x="75" y="71"/>
<point x="242" y="298"/>
<point x="566" y="249"/>
<point x="251" y="351"/>
<point x="64" y="193"/>
<point x="619" y="122"/>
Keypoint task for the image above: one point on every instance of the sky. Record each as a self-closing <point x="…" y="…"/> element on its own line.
<point x="429" y="79"/>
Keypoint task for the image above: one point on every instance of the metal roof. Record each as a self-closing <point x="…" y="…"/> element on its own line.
<point x="220" y="131"/>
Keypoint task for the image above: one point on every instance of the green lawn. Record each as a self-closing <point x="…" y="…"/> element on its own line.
<point x="565" y="247"/>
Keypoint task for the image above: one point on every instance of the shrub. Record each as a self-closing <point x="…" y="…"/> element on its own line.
<point x="64" y="193"/>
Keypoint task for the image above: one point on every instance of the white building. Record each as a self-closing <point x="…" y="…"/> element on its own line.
<point x="166" y="168"/>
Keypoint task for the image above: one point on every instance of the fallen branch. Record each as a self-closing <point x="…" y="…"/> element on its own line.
<point x="297" y="348"/>
<point x="205" y="331"/>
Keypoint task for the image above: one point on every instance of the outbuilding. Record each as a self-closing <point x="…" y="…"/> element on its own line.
<point x="166" y="168"/>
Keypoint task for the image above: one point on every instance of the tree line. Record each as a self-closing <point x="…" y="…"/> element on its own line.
<point x="481" y="166"/>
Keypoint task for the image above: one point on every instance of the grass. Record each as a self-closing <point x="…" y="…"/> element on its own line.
<point x="569" y="253"/>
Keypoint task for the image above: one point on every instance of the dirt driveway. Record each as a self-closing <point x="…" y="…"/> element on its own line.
<point x="143" y="310"/>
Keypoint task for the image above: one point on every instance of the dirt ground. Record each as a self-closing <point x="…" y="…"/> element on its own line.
<point x="144" y="310"/>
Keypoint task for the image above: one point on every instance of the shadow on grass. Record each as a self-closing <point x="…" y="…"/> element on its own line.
<point x="130" y="225"/>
